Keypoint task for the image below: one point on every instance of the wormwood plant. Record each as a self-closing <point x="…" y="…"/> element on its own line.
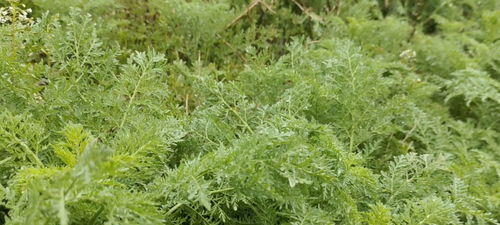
<point x="249" y="112"/>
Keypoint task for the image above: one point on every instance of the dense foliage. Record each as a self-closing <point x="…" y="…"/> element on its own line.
<point x="249" y="112"/>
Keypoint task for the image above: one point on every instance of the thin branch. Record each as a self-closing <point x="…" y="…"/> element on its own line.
<point x="132" y="98"/>
<point x="267" y="6"/>
<point x="408" y="135"/>
<point x="186" y="104"/>
<point x="234" y="111"/>
<point x="247" y="10"/>
<point x="242" y="57"/>
<point x="308" y="12"/>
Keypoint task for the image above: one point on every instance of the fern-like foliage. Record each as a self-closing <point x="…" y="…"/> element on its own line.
<point x="249" y="112"/>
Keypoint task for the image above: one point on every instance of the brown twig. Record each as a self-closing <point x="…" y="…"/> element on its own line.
<point x="267" y="6"/>
<point x="186" y="104"/>
<point x="299" y="5"/>
<point x="252" y="5"/>
<point x="308" y="12"/>
<point x="232" y="48"/>
<point x="249" y="8"/>
<point x="313" y="42"/>
<point x="339" y="5"/>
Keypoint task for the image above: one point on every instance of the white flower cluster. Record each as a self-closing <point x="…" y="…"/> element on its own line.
<point x="12" y="13"/>
<point x="408" y="54"/>
<point x="4" y="18"/>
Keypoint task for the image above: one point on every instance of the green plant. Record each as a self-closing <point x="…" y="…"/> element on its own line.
<point x="249" y="112"/>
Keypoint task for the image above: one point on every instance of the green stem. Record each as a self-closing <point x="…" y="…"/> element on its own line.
<point x="96" y="215"/>
<point x="132" y="98"/>
<point x="236" y="113"/>
<point x="174" y="208"/>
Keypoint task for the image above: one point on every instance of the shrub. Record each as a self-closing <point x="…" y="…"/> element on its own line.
<point x="249" y="112"/>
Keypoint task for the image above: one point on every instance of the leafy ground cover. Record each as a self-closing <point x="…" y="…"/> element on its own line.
<point x="249" y="112"/>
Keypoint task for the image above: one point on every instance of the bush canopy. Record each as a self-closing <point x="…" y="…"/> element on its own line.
<point x="293" y="112"/>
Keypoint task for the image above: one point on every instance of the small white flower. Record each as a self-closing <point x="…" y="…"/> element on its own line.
<point x="408" y="54"/>
<point x="23" y="17"/>
<point x="38" y="97"/>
